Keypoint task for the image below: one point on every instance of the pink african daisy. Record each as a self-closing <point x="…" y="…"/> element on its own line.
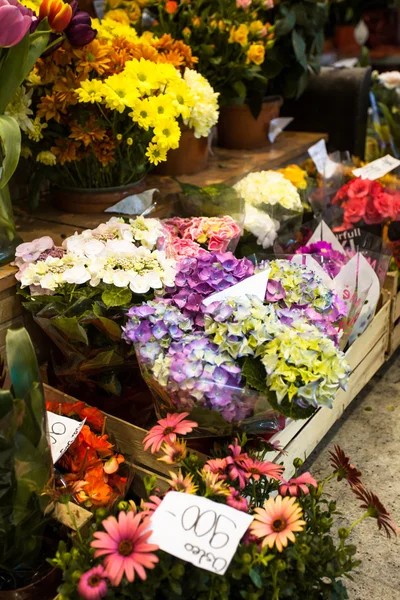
<point x="125" y="546"/>
<point x="217" y="466"/>
<point x="150" y="505"/>
<point x="92" y="584"/>
<point x="256" y="468"/>
<point x="235" y="464"/>
<point x="166" y="431"/>
<point x="277" y="522"/>
<point x="294" y="486"/>
<point x="235" y="500"/>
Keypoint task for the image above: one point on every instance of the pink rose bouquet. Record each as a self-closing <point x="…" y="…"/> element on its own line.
<point x="191" y="237"/>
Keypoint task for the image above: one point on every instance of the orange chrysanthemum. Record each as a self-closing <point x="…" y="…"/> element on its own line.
<point x="87" y="133"/>
<point x="65" y="151"/>
<point x="105" y="151"/>
<point x="47" y="71"/>
<point x="99" y="443"/>
<point x="96" y="56"/>
<point x="50" y="107"/>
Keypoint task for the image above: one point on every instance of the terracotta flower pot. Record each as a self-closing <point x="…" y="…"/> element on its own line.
<point x="82" y="200"/>
<point x="345" y="40"/>
<point x="191" y="157"/>
<point x="44" y="588"/>
<point x="239" y="130"/>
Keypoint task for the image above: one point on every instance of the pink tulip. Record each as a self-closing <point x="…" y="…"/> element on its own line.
<point x="15" y="21"/>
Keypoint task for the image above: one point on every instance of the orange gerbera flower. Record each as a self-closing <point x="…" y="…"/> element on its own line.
<point x="99" y="443"/>
<point x="96" y="56"/>
<point x="65" y="150"/>
<point x="105" y="151"/>
<point x="50" y="107"/>
<point x="87" y="133"/>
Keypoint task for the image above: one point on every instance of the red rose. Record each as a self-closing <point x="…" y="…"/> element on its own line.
<point x="359" y="187"/>
<point x="354" y="209"/>
<point x="341" y="194"/>
<point x="383" y="203"/>
<point x="396" y="206"/>
<point x="372" y="215"/>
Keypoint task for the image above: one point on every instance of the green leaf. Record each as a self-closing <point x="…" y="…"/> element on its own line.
<point x="22" y="362"/>
<point x="256" y="578"/>
<point x="115" y="296"/>
<point x="71" y="328"/>
<point x="110" y="327"/>
<point x="10" y="139"/>
<point x="285" y="25"/>
<point x="299" y="47"/>
<point x="104" y="359"/>
<point x="254" y="372"/>
<point x="240" y="89"/>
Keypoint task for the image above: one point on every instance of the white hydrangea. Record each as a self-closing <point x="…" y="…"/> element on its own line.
<point x="125" y="265"/>
<point x="204" y="114"/>
<point x="54" y="272"/>
<point x="261" y="226"/>
<point x="269" y="188"/>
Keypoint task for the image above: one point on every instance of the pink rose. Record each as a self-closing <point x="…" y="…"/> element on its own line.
<point x="354" y="209"/>
<point x="372" y="215"/>
<point x="383" y="203"/>
<point x="243" y="3"/>
<point x="396" y="206"/>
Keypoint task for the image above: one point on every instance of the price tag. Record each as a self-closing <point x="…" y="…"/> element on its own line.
<point x="197" y="530"/>
<point x="377" y="168"/>
<point x="276" y="127"/>
<point x="319" y="154"/>
<point x="256" y="285"/>
<point x="62" y="432"/>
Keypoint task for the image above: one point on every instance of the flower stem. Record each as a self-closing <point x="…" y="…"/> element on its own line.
<point x="357" y="521"/>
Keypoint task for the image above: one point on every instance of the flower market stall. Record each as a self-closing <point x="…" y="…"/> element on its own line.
<point x="187" y="305"/>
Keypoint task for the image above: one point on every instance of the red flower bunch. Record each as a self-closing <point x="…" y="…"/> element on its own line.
<point x="90" y="467"/>
<point x="366" y="201"/>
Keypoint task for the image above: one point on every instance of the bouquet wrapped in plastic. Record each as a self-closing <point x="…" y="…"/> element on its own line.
<point x="260" y="341"/>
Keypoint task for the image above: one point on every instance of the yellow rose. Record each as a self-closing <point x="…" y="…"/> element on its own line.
<point x="239" y="35"/>
<point x="134" y="12"/>
<point x="295" y="175"/>
<point x="256" y="27"/>
<point x="113" y="4"/>
<point x="221" y="25"/>
<point x="119" y="15"/>
<point x="196" y="21"/>
<point x="256" y="54"/>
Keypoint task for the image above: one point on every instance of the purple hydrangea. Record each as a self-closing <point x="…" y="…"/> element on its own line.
<point x="202" y="276"/>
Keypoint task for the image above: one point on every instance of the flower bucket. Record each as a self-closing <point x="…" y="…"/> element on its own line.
<point x="190" y="158"/>
<point x="44" y="588"/>
<point x="239" y="130"/>
<point x="345" y="40"/>
<point x="82" y="200"/>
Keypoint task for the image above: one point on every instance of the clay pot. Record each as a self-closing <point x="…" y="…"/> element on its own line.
<point x="239" y="130"/>
<point x="191" y="157"/>
<point x="82" y="200"/>
<point x="45" y="588"/>
<point x="345" y="40"/>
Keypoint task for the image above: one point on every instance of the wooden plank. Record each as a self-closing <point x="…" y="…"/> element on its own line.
<point x="7" y="278"/>
<point x="30" y="228"/>
<point x="10" y="305"/>
<point x="391" y="282"/>
<point x="224" y="165"/>
<point x="138" y="480"/>
<point x="313" y="431"/>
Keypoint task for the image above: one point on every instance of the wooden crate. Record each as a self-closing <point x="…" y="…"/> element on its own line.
<point x="299" y="438"/>
<point x="365" y="357"/>
<point x="10" y="305"/>
<point x="391" y="285"/>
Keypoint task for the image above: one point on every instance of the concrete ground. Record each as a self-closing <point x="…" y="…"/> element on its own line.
<point x="369" y="432"/>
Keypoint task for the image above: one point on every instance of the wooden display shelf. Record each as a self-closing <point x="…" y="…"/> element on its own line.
<point x="299" y="438"/>
<point x="391" y="285"/>
<point x="224" y="165"/>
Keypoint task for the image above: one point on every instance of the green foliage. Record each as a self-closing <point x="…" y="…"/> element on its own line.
<point x="10" y="147"/>
<point x="26" y="464"/>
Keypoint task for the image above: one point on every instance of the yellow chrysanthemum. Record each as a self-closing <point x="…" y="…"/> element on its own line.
<point x="163" y="106"/>
<point x="182" y="99"/>
<point x="91" y="91"/>
<point x="119" y="15"/>
<point x="46" y="158"/>
<point x="26" y="152"/>
<point x="155" y="154"/>
<point x="36" y="134"/>
<point x="115" y="91"/>
<point x="33" y="78"/>
<point x="167" y="134"/>
<point x="143" y="114"/>
<point x="108" y="29"/>
<point x="144" y="74"/>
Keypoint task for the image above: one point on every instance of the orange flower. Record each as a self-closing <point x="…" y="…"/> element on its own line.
<point x="94" y="417"/>
<point x="50" y="107"/>
<point x="65" y="151"/>
<point x="96" y="56"/>
<point x="96" y="493"/>
<point x="48" y="71"/>
<point x="112" y="464"/>
<point x="105" y="151"/>
<point x="99" y="443"/>
<point x="172" y="57"/>
<point x="58" y="14"/>
<point x="78" y="457"/>
<point x="87" y="133"/>
<point x="171" y="7"/>
<point x="65" y="90"/>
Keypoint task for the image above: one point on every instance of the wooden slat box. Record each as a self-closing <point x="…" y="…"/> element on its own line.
<point x="299" y="438"/>
<point x="10" y="305"/>
<point x="391" y="285"/>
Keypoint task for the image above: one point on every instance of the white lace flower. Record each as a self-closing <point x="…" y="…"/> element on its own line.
<point x="261" y="226"/>
<point x="54" y="272"/>
<point x="204" y="114"/>
<point x="269" y="188"/>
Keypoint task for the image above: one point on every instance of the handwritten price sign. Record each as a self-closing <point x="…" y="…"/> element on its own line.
<point x="62" y="433"/>
<point x="197" y="530"/>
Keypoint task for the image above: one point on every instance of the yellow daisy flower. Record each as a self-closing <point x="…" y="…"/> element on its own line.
<point x="155" y="154"/>
<point x="91" y="91"/>
<point x="167" y="134"/>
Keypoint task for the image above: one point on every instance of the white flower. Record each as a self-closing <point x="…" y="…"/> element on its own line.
<point x="147" y="231"/>
<point x="204" y="114"/>
<point x="269" y="188"/>
<point x="261" y="226"/>
<point x="19" y="108"/>
<point x="54" y="272"/>
<point x="390" y="79"/>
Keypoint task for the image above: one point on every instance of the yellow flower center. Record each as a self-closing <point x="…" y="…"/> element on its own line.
<point x="125" y="547"/>
<point x="278" y="525"/>
<point x="166" y="132"/>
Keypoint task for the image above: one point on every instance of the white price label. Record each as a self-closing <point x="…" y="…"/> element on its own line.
<point x="319" y="154"/>
<point x="197" y="530"/>
<point x="377" y="168"/>
<point x="256" y="285"/>
<point x="276" y="127"/>
<point x="62" y="432"/>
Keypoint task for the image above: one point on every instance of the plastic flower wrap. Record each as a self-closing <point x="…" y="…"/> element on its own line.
<point x="189" y="236"/>
<point x="270" y="201"/>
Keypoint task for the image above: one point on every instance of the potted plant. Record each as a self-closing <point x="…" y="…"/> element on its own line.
<point x="232" y="42"/>
<point x="26" y="472"/>
<point x="346" y="15"/>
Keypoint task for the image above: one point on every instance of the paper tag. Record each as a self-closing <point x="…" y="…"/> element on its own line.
<point x="197" y="530"/>
<point x="346" y="63"/>
<point x="378" y="168"/>
<point x="133" y="205"/>
<point x="276" y="127"/>
<point x="62" y="432"/>
<point x="256" y="285"/>
<point x="319" y="154"/>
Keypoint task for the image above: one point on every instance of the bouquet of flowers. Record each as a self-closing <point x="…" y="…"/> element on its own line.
<point x="90" y="470"/>
<point x="383" y="133"/>
<point x="212" y="357"/>
<point x="272" y="204"/>
<point x="104" y="114"/>
<point x="230" y="40"/>
<point x="119" y="556"/>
